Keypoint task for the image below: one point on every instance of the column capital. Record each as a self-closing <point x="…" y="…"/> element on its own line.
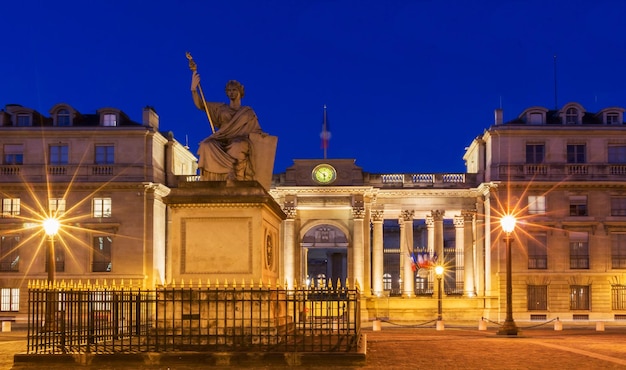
<point x="459" y="221"/>
<point x="358" y="212"/>
<point x="437" y="214"/>
<point x="378" y="215"/>
<point x="468" y="214"/>
<point x="429" y="220"/>
<point x="407" y="215"/>
<point x="290" y="211"/>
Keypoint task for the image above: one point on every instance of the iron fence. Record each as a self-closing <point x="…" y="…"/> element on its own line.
<point x="109" y="319"/>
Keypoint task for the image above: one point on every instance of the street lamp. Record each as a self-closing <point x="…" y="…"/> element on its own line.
<point x="508" y="328"/>
<point x="439" y="273"/>
<point x="51" y="226"/>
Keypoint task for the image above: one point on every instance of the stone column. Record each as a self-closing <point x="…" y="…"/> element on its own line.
<point x="358" y="213"/>
<point x="469" y="287"/>
<point x="438" y="234"/>
<point x="459" y="244"/>
<point x="406" y="250"/>
<point x="289" y="267"/>
<point x="378" y="256"/>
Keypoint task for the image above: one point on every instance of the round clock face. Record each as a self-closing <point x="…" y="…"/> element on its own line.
<point x="324" y="174"/>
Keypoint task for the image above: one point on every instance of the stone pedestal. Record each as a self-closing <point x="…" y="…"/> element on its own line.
<point x="223" y="231"/>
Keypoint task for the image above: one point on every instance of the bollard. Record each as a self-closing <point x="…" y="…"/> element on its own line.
<point x="6" y="326"/>
<point x="482" y="324"/>
<point x="376" y="325"/>
<point x="558" y="325"/>
<point x="600" y="326"/>
<point x="440" y="325"/>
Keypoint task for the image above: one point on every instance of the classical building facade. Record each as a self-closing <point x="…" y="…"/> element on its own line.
<point x="562" y="173"/>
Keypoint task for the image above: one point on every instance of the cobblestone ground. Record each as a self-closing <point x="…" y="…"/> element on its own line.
<point x="426" y="348"/>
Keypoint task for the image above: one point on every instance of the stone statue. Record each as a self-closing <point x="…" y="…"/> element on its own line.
<point x="237" y="149"/>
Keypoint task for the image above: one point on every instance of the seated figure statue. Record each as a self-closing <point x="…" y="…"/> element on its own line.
<point x="238" y="149"/>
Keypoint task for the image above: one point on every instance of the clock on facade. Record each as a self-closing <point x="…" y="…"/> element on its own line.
<point x="324" y="174"/>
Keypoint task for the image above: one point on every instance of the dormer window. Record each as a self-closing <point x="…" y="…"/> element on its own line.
<point x="109" y="119"/>
<point x="571" y="116"/>
<point x="63" y="118"/>
<point x="23" y="120"/>
<point x="612" y="118"/>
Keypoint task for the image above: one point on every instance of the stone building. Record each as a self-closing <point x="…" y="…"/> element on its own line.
<point x="561" y="172"/>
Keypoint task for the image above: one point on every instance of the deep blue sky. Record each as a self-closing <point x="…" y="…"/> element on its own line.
<point x="408" y="84"/>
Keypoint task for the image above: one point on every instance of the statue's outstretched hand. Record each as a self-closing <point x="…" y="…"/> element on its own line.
<point x="195" y="81"/>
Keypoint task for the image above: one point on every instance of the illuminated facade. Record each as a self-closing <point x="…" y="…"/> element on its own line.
<point x="561" y="171"/>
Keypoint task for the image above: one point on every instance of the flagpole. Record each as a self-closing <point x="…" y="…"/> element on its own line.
<point x="325" y="133"/>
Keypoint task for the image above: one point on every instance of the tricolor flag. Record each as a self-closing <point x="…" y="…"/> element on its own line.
<point x="325" y="135"/>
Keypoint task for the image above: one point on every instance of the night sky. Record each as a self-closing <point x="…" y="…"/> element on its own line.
<point x="408" y="84"/>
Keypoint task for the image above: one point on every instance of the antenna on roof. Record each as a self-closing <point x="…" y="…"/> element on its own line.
<point x="556" y="106"/>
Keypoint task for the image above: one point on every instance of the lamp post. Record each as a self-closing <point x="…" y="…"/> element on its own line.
<point x="439" y="273"/>
<point x="51" y="227"/>
<point x="508" y="328"/>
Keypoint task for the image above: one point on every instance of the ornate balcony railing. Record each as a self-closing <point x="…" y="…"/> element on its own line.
<point x="561" y="171"/>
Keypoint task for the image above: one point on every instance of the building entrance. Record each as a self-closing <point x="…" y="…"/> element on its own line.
<point x="325" y="254"/>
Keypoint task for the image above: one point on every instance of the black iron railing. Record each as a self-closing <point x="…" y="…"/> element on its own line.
<point x="110" y="319"/>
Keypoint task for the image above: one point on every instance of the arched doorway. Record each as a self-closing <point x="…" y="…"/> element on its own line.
<point x="325" y="256"/>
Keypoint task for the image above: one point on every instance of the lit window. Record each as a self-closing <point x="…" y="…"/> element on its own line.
<point x="618" y="206"/>
<point x="536" y="204"/>
<point x="571" y="116"/>
<point x="105" y="154"/>
<point x="101" y="254"/>
<point x="9" y="253"/>
<point x="579" y="250"/>
<point x="617" y="154"/>
<point x="109" y="119"/>
<point x="537" y="297"/>
<point x="618" y="293"/>
<point x="63" y="117"/>
<point x="23" y="120"/>
<point x="10" y="207"/>
<point x="10" y="299"/>
<point x="537" y="251"/>
<point x="578" y="205"/>
<point x="56" y="206"/>
<point x="13" y="154"/>
<point x="386" y="281"/>
<point x="618" y="251"/>
<point x="579" y="297"/>
<point x="102" y="207"/>
<point x="576" y="153"/>
<point x="534" y="153"/>
<point x="59" y="154"/>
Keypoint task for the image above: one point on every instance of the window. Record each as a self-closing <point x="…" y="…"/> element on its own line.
<point x="387" y="281"/>
<point x="109" y="119"/>
<point x="617" y="154"/>
<point x="618" y="206"/>
<point x="13" y="154"/>
<point x="579" y="297"/>
<point x="101" y="254"/>
<point x="578" y="250"/>
<point x="537" y="251"/>
<point x="576" y="153"/>
<point x="536" y="118"/>
<point x="536" y="204"/>
<point x="56" y="206"/>
<point x="63" y="118"/>
<point x="618" y="297"/>
<point x="535" y="153"/>
<point x="59" y="258"/>
<point x="612" y="118"/>
<point x="104" y="154"/>
<point x="10" y="207"/>
<point x="9" y="253"/>
<point x="58" y="154"/>
<point x="571" y="116"/>
<point x="23" y="120"/>
<point x="578" y="205"/>
<point x="10" y="299"/>
<point x="537" y="297"/>
<point x="618" y="250"/>
<point x="102" y="207"/>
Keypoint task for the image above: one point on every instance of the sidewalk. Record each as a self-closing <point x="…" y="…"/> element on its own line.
<point x="460" y="347"/>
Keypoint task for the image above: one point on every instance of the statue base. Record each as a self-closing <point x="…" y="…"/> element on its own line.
<point x="223" y="231"/>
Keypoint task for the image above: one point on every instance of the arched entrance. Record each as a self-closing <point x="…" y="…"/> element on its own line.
<point x="325" y="256"/>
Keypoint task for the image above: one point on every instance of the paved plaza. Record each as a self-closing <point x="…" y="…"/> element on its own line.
<point x="406" y="347"/>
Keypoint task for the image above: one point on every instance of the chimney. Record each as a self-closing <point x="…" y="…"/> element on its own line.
<point x="498" y="116"/>
<point x="150" y="118"/>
